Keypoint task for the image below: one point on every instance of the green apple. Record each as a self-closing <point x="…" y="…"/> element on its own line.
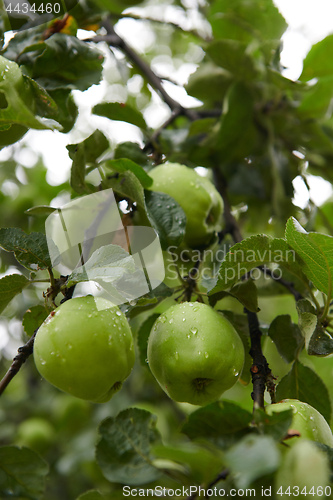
<point x="194" y="353"/>
<point x="307" y="421"/>
<point x="198" y="197"/>
<point x="85" y="348"/>
<point x="304" y="467"/>
<point x="36" y="433"/>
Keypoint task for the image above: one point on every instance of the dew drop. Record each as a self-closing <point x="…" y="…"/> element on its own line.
<point x="43" y="362"/>
<point x="176" y="355"/>
<point x="118" y="313"/>
<point x="199" y="352"/>
<point x="195" y="309"/>
<point x="168" y="207"/>
<point x="194" y="330"/>
<point x="69" y="346"/>
<point x="189" y="336"/>
<point x="146" y="360"/>
<point x="162" y="318"/>
<point x="206" y="355"/>
<point x="171" y="321"/>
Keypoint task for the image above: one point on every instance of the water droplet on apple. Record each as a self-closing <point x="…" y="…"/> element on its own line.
<point x="69" y="346"/>
<point x="199" y="352"/>
<point x="194" y="330"/>
<point x="206" y="355"/>
<point x="184" y="319"/>
<point x="118" y="313"/>
<point x="162" y="318"/>
<point x="171" y="321"/>
<point x="176" y="355"/>
<point x="189" y="336"/>
<point x="195" y="309"/>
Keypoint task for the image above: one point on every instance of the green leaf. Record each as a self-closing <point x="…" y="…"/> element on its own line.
<point x="242" y="464"/>
<point x="22" y="473"/>
<point x="142" y="337"/>
<point x="275" y="425"/>
<point x="222" y="422"/>
<point x="232" y="141"/>
<point x="30" y="250"/>
<point x="286" y="336"/>
<point x="304" y="384"/>
<point x="234" y="57"/>
<point x="18" y="98"/>
<point x="67" y="111"/>
<point x="246" y="20"/>
<point x="124" y="448"/>
<point x="121" y="112"/>
<point x="124" y="165"/>
<point x="318" y="62"/>
<point x="33" y="318"/>
<point x="320" y="343"/>
<point x="166" y="217"/>
<point x="127" y="185"/>
<point x="40" y="210"/>
<point x="307" y="319"/>
<point x="251" y="253"/>
<point x="246" y="293"/>
<point x="205" y="464"/>
<point x="316" y="252"/>
<point x="85" y="153"/>
<point x="209" y="83"/>
<point x="63" y="62"/>
<point x="10" y="286"/>
<point x="131" y="151"/>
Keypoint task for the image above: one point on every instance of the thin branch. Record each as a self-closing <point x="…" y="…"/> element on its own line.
<point x="260" y="370"/>
<point x="222" y="476"/>
<point x="23" y="353"/>
<point x="287" y="284"/>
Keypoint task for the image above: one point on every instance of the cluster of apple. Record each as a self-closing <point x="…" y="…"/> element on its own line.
<point x="85" y="347"/>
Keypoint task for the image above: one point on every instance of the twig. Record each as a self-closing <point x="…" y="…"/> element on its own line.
<point x="287" y="284"/>
<point x="220" y="477"/>
<point x="259" y="369"/>
<point x="23" y="353"/>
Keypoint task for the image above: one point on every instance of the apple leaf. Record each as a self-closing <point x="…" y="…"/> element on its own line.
<point x="240" y="459"/>
<point x="166" y="217"/>
<point x="316" y="252"/>
<point x="10" y="286"/>
<point x="246" y="293"/>
<point x="131" y="151"/>
<point x="252" y="252"/>
<point x="127" y="185"/>
<point x="142" y="337"/>
<point x="286" y="336"/>
<point x="318" y="62"/>
<point x="307" y="319"/>
<point x="275" y="425"/>
<point x="121" y="112"/>
<point x="321" y="342"/>
<point x="205" y="464"/>
<point x="123" y="451"/>
<point x="30" y="250"/>
<point x="124" y="164"/>
<point x="33" y="318"/>
<point x="222" y="422"/>
<point x="22" y="473"/>
<point x="304" y="384"/>
<point x="62" y="62"/>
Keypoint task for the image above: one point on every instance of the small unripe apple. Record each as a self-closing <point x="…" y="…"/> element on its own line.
<point x="85" y="347"/>
<point x="197" y="196"/>
<point x="36" y="433"/>
<point x="307" y="421"/>
<point x="194" y="353"/>
<point x="304" y="468"/>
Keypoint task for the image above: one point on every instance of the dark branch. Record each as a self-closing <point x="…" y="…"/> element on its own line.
<point x="260" y="370"/>
<point x="287" y="284"/>
<point x="23" y="353"/>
